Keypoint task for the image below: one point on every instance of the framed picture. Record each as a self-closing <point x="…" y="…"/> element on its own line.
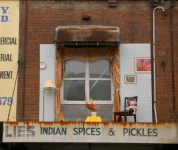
<point x="130" y="79"/>
<point x="142" y="65"/>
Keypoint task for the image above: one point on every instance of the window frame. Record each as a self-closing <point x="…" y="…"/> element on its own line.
<point x="87" y="79"/>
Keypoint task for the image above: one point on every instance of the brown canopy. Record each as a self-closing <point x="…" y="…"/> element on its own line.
<point x="81" y="35"/>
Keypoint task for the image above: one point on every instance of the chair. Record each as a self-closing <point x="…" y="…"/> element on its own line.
<point x="126" y="113"/>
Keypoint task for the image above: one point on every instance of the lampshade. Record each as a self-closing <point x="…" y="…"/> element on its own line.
<point x="49" y="85"/>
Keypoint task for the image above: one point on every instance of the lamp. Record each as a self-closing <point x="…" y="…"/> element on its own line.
<point x="49" y="85"/>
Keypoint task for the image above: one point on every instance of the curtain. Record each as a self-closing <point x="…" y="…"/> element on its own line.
<point x="115" y="69"/>
<point x="59" y="69"/>
<point x="86" y="54"/>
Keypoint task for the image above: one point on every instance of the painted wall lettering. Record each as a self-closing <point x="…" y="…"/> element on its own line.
<point x="5" y="57"/>
<point x="5" y="14"/>
<point x="6" y="101"/>
<point x="53" y="131"/>
<point x="139" y="132"/>
<point x="86" y="131"/>
<point x="9" y="50"/>
<point x="20" y="131"/>
<point x="6" y="132"/>
<point x="6" y="74"/>
<point x="8" y="41"/>
<point x="90" y="132"/>
<point x="29" y="130"/>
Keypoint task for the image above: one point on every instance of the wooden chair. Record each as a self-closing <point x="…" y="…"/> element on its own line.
<point x="126" y="113"/>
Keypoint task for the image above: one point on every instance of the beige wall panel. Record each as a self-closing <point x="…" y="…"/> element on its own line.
<point x="9" y="45"/>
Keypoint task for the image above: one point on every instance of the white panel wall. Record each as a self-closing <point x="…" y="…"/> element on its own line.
<point x="127" y="52"/>
<point x="143" y="87"/>
<point x="47" y="55"/>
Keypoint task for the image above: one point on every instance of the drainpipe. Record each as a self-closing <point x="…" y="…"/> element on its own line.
<point x="172" y="50"/>
<point x="24" y="75"/>
<point x="154" y="71"/>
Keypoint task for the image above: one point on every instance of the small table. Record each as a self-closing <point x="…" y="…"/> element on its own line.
<point x="93" y="119"/>
<point x="125" y="114"/>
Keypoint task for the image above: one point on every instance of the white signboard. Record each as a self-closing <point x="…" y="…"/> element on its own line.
<point x="90" y="132"/>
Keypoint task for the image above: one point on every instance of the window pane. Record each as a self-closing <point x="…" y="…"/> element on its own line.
<point x="74" y="69"/>
<point x="74" y="90"/>
<point x="100" y="90"/>
<point x="99" y="69"/>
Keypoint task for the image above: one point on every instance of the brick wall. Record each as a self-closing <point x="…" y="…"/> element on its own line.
<point x="134" y="19"/>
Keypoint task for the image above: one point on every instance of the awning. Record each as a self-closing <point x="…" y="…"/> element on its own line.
<point x="87" y="35"/>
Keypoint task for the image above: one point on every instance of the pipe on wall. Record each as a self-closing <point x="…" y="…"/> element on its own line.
<point x="154" y="70"/>
<point x="24" y="75"/>
<point x="172" y="51"/>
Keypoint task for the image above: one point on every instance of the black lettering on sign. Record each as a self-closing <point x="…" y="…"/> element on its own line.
<point x="80" y="130"/>
<point x="53" y="131"/>
<point x="143" y="132"/>
<point x="5" y="57"/>
<point x="98" y="132"/>
<point x="125" y="131"/>
<point x="6" y="74"/>
<point x="92" y="131"/>
<point x="75" y="130"/>
<point x="58" y="131"/>
<point x="14" y="131"/>
<point x="133" y="131"/>
<point x="155" y="132"/>
<point x="19" y="131"/>
<point x="150" y="132"/>
<point x="7" y="133"/>
<point x="8" y="41"/>
<point x="139" y="132"/>
<point x="29" y="130"/>
<point x="86" y="131"/>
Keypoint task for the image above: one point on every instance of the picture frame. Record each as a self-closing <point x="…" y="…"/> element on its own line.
<point x="142" y="65"/>
<point x="130" y="79"/>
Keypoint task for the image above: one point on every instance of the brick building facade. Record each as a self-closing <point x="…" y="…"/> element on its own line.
<point x="134" y="18"/>
<point x="37" y="26"/>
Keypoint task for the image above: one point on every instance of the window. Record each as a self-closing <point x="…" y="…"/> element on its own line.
<point x="85" y="80"/>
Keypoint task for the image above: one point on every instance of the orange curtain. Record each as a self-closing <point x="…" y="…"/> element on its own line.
<point x="86" y="54"/>
<point x="115" y="69"/>
<point x="59" y="69"/>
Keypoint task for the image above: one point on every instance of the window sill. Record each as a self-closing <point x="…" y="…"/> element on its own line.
<point x="84" y="102"/>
